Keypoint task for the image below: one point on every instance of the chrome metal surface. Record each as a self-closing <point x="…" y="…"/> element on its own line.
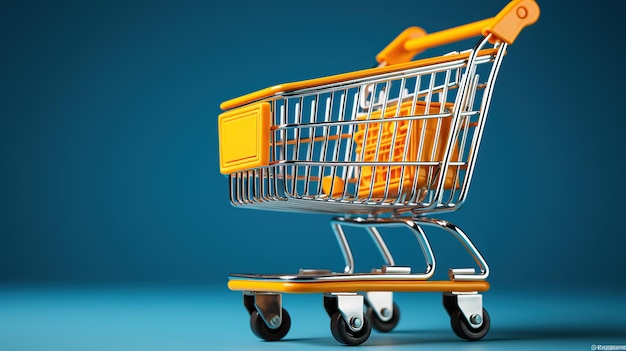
<point x="314" y="272"/>
<point x="314" y="138"/>
<point x="467" y="243"/>
<point x="351" y="307"/>
<point x="370" y="224"/>
<point x="471" y="305"/>
<point x="382" y="247"/>
<point x="396" y="270"/>
<point x="388" y="272"/>
<point x="382" y="303"/>
<point x="454" y="273"/>
<point x="330" y="277"/>
<point x="269" y="306"/>
<point x="425" y="246"/>
<point x="484" y="107"/>
<point x="476" y="319"/>
<point x="345" y="248"/>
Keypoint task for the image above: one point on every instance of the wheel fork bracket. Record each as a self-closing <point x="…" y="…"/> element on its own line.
<point x="268" y="305"/>
<point x="471" y="305"/>
<point x="350" y="305"/>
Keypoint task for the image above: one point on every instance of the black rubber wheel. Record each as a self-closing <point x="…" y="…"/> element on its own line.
<point x="330" y="305"/>
<point x="343" y="334"/>
<point x="384" y="327"/>
<point x="260" y="329"/>
<point x="450" y="303"/>
<point x="464" y="330"/>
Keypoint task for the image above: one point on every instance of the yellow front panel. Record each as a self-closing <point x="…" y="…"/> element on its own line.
<point x="244" y="138"/>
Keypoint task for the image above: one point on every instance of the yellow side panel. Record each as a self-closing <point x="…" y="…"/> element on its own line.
<point x="244" y="138"/>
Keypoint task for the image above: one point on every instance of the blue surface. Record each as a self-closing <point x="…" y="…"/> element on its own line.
<point x="212" y="318"/>
<point x="108" y="147"/>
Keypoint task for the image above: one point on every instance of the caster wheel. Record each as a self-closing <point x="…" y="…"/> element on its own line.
<point x="330" y="305"/>
<point x="343" y="334"/>
<point x="381" y="326"/>
<point x="450" y="304"/>
<point x="263" y="331"/>
<point x="464" y="330"/>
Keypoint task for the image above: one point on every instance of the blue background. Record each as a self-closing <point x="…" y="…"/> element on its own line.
<point x="108" y="141"/>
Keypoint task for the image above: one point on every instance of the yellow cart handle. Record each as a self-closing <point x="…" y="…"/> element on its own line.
<point x="505" y="26"/>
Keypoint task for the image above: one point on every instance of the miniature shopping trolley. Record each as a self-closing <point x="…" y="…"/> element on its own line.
<point x="382" y="147"/>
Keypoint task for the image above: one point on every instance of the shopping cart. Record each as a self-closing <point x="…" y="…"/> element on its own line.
<point x="381" y="147"/>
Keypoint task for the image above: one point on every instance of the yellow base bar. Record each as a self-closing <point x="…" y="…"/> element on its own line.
<point x="356" y="285"/>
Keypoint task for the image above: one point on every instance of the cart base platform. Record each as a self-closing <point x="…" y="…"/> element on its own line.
<point x="271" y="284"/>
<point x="357" y="303"/>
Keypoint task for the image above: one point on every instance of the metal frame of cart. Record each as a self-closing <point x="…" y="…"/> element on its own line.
<point x="383" y="147"/>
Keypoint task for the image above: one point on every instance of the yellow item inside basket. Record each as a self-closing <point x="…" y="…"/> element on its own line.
<point x="333" y="185"/>
<point x="379" y="146"/>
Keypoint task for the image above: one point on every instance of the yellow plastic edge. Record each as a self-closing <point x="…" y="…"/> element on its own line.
<point x="446" y="36"/>
<point x="505" y="26"/>
<point x="281" y="88"/>
<point x="353" y="286"/>
<point x="509" y="22"/>
<point x="395" y="52"/>
<point x="244" y="138"/>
